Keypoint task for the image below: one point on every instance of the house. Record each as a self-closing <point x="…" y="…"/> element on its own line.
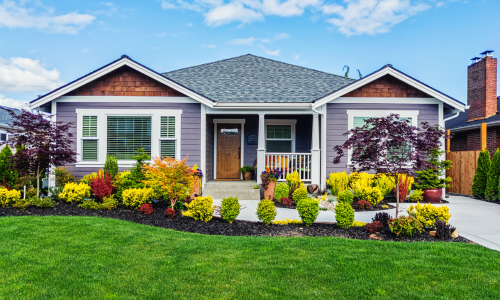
<point x="5" y="120"/>
<point x="482" y="101"/>
<point x="234" y="112"/>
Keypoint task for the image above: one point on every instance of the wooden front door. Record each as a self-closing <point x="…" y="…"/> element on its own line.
<point x="228" y="151"/>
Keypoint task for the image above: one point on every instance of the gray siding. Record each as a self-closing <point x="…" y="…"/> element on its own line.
<point x="209" y="172"/>
<point x="337" y="124"/>
<point x="190" y="123"/>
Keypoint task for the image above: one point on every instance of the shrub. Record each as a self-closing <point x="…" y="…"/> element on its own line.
<point x="405" y="226"/>
<point x="428" y="214"/>
<point x="344" y="215"/>
<point x="384" y="183"/>
<point x="134" y="177"/>
<point x="134" y="198"/>
<point x="46" y="202"/>
<point x="146" y="209"/>
<point x="111" y="166"/>
<point x="109" y="203"/>
<point x="229" y="209"/>
<point x="286" y="201"/>
<point x="201" y="208"/>
<point x="246" y="169"/>
<point x="481" y="175"/>
<point x="286" y="222"/>
<point x="22" y="203"/>
<point x="102" y="185"/>
<point x="266" y="211"/>
<point x="74" y="192"/>
<point x="281" y="191"/>
<point x="293" y="180"/>
<point x="345" y="197"/>
<point x="360" y="180"/>
<point x="382" y="217"/>
<point x="88" y="178"/>
<point x="404" y="186"/>
<point x="308" y="210"/>
<point x="492" y="182"/>
<point x="417" y="196"/>
<point x="290" y="193"/>
<point x="63" y="176"/>
<point x="9" y="197"/>
<point x="358" y="224"/>
<point x="444" y="230"/>
<point x="54" y="192"/>
<point x="409" y="179"/>
<point x="373" y="227"/>
<point x="370" y="194"/>
<point x="8" y="172"/>
<point x="337" y="182"/>
<point x="363" y="204"/>
<point x="170" y="213"/>
<point x="89" y="204"/>
<point x="299" y="195"/>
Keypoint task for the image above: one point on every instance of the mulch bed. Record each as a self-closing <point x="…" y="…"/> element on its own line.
<point x="217" y="226"/>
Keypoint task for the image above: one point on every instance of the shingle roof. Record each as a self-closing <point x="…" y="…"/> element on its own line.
<point x="461" y="120"/>
<point x="250" y="78"/>
<point x="5" y="117"/>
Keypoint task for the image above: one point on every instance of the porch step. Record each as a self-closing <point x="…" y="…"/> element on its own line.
<point x="244" y="190"/>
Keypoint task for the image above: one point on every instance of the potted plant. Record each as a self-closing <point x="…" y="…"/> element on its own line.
<point x="247" y="172"/>
<point x="198" y="175"/>
<point x="269" y="178"/>
<point x="432" y="180"/>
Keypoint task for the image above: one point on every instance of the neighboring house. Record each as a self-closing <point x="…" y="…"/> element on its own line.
<point x="233" y="112"/>
<point x="482" y="101"/>
<point x="5" y="120"/>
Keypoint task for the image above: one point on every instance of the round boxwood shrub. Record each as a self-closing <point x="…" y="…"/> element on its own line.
<point x="345" y="196"/>
<point x="370" y="194"/>
<point x="281" y="191"/>
<point x="230" y="209"/>
<point x="344" y="215"/>
<point x="266" y="211"/>
<point x="299" y="195"/>
<point x="308" y="210"/>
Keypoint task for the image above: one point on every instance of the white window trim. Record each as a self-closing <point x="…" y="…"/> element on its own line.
<point x="291" y="122"/>
<point x="102" y="134"/>
<point x="413" y="114"/>
<point x="229" y="121"/>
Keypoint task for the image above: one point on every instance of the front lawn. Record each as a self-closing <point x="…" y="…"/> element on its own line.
<point x="100" y="258"/>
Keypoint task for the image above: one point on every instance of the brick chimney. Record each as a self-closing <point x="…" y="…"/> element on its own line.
<point x="482" y="87"/>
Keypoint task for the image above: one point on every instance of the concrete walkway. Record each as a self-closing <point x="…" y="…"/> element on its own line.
<point x="476" y="220"/>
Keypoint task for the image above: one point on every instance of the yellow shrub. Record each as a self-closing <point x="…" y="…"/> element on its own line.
<point x="370" y="194"/>
<point x="358" y="224"/>
<point x="337" y="182"/>
<point x="360" y="180"/>
<point x="384" y="183"/>
<point x="123" y="174"/>
<point x="134" y="198"/>
<point x="428" y="214"/>
<point x="201" y="208"/>
<point x="286" y="222"/>
<point x="88" y="178"/>
<point x="75" y="192"/>
<point x="404" y="177"/>
<point x="293" y="180"/>
<point x="9" y="197"/>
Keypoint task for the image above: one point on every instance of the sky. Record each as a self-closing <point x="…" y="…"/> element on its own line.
<point x="47" y="43"/>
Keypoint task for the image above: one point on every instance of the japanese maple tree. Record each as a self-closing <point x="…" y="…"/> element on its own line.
<point x="390" y="145"/>
<point x="40" y="143"/>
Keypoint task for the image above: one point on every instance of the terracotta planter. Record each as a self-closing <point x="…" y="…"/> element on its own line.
<point x="270" y="190"/>
<point x="433" y="195"/>
<point x="196" y="189"/>
<point x="247" y="175"/>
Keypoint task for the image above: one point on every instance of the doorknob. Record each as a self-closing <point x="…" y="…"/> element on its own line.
<point x="239" y="154"/>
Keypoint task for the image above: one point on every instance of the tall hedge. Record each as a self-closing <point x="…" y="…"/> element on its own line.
<point x="481" y="176"/>
<point x="493" y="178"/>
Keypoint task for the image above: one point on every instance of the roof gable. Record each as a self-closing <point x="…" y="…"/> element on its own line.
<point x="387" y="86"/>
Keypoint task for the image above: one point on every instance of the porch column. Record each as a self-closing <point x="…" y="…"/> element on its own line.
<point x="261" y="149"/>
<point x="315" y="152"/>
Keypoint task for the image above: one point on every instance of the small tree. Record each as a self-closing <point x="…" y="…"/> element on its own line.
<point x="8" y="174"/>
<point x="390" y="145"/>
<point x="481" y="175"/>
<point x="493" y="178"/>
<point x="40" y="143"/>
<point x="111" y="166"/>
<point x="433" y="177"/>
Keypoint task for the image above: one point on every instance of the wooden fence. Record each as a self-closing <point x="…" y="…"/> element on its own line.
<point x="462" y="171"/>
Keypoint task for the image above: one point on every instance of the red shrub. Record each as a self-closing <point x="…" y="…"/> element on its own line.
<point x="146" y="209"/>
<point x="286" y="201"/>
<point x="376" y="226"/>
<point x="403" y="187"/>
<point x="363" y="204"/>
<point x="102" y="186"/>
<point x="169" y="213"/>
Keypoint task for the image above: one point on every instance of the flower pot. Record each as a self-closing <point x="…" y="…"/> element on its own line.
<point x="433" y="195"/>
<point x="270" y="190"/>
<point x="247" y="175"/>
<point x="196" y="189"/>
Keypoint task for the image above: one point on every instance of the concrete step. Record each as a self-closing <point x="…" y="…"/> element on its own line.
<point x="244" y="190"/>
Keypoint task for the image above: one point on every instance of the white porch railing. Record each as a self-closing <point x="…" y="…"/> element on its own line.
<point x="290" y="162"/>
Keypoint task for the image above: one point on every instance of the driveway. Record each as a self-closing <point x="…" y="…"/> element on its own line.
<point x="476" y="220"/>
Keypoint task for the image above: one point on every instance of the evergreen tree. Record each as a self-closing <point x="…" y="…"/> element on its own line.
<point x="493" y="178"/>
<point x="481" y="175"/>
<point x="8" y="174"/>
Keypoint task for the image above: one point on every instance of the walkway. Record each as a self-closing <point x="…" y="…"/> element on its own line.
<point x="476" y="220"/>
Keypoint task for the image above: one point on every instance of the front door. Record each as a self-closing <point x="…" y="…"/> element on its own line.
<point x="228" y="151"/>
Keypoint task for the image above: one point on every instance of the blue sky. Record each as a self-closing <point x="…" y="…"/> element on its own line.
<point x="47" y="43"/>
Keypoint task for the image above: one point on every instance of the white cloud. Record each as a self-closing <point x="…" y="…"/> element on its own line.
<point x="208" y="46"/>
<point x="280" y="36"/>
<point x="247" y="42"/>
<point x="20" y="74"/>
<point x="269" y="52"/>
<point x="231" y="12"/>
<point x="85" y="50"/>
<point x="371" y="16"/>
<point x="14" y="15"/>
<point x="287" y="8"/>
<point x="179" y="4"/>
<point x="9" y="102"/>
<point x="190" y="24"/>
<point x="296" y="57"/>
<point x="266" y="41"/>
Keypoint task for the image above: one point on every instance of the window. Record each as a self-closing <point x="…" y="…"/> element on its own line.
<point x="127" y="134"/>
<point x="3" y="137"/>
<point x="167" y="136"/>
<point x="89" y="141"/>
<point x="280" y="136"/>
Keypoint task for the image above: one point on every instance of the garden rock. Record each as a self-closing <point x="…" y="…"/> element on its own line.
<point x="454" y="234"/>
<point x="312" y="188"/>
<point x="432" y="233"/>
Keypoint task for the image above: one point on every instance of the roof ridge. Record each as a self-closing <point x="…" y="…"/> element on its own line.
<point x="204" y="64"/>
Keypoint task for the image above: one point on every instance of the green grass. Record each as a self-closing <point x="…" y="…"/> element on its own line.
<point x="98" y="258"/>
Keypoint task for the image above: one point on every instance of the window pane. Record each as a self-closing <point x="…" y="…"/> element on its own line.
<point x="167" y="148"/>
<point x="89" y="150"/>
<point x="168" y="127"/>
<point x="270" y="131"/>
<point x="127" y="134"/>
<point x="89" y="126"/>
<point x="359" y="121"/>
<point x="287" y="131"/>
<point x="279" y="131"/>
<point x="279" y="146"/>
